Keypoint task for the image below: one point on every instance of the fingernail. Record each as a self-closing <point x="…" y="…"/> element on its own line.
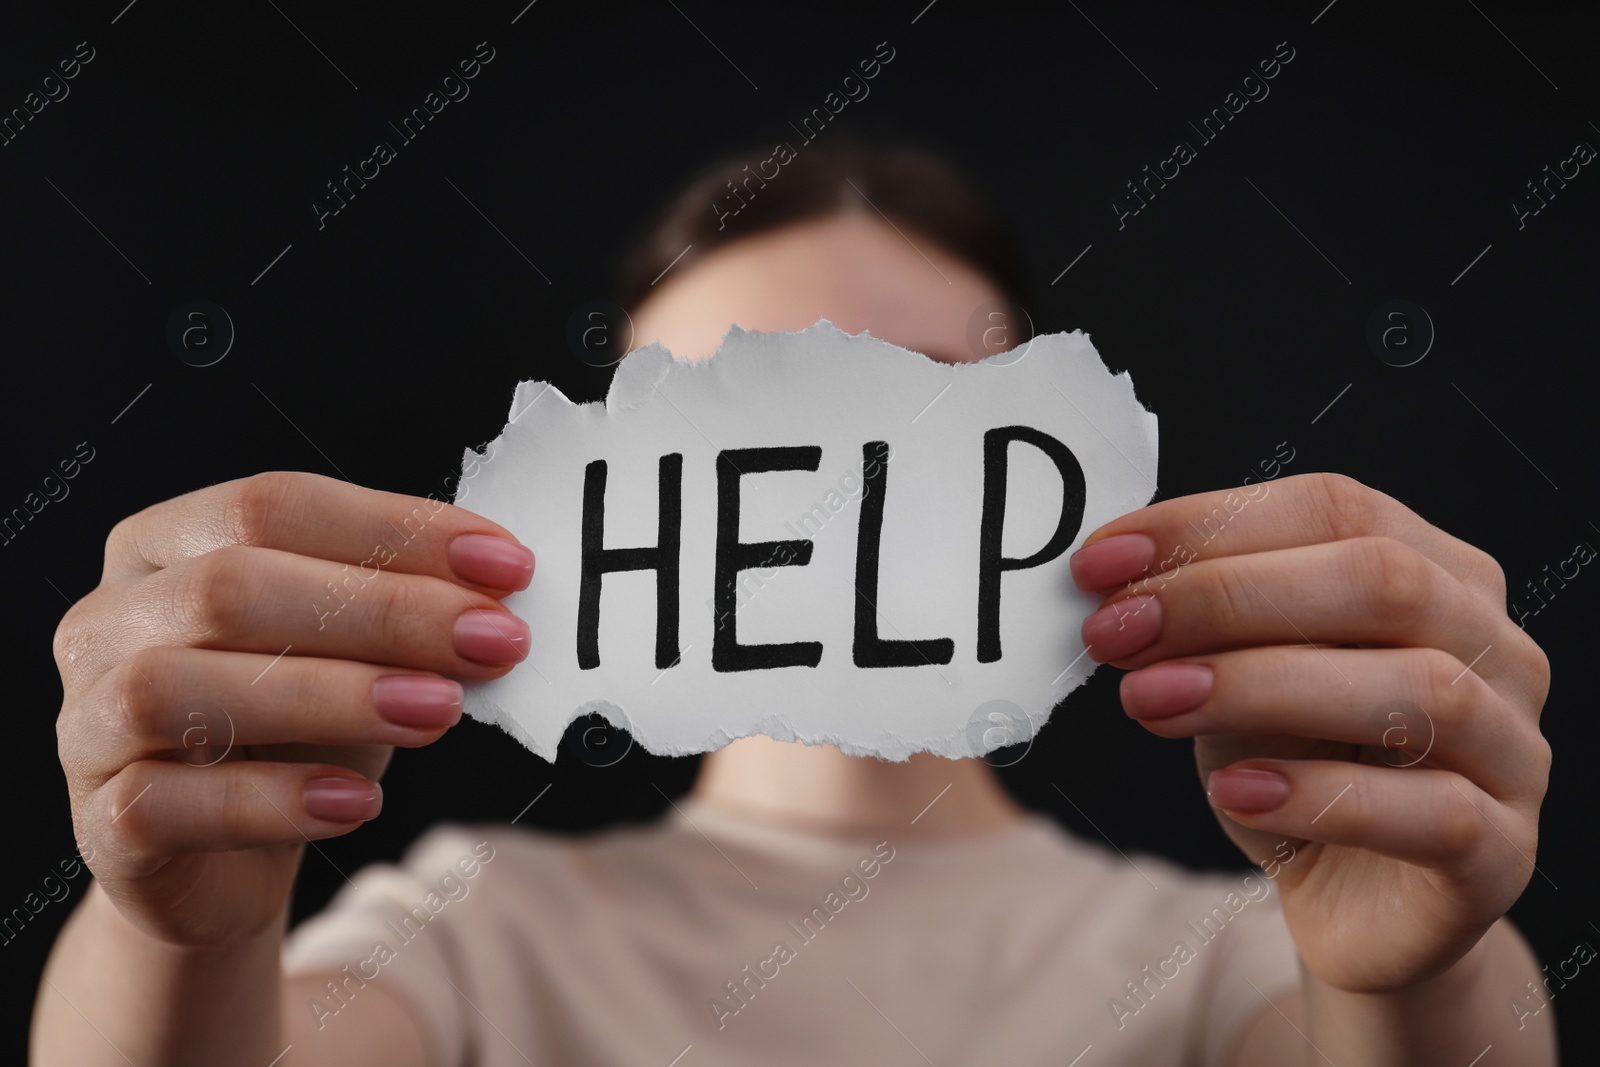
<point x="1113" y="561"/>
<point x="343" y="799"/>
<point x="1122" y="628"/>
<point x="491" y="561"/>
<point x="1247" y="790"/>
<point x="417" y="700"/>
<point x="1165" y="690"/>
<point x="497" y="638"/>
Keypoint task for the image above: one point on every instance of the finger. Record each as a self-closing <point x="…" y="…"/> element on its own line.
<point x="1418" y="707"/>
<point x="1292" y="512"/>
<point x="1371" y="590"/>
<point x="263" y="600"/>
<point x="1431" y="818"/>
<point x="157" y="808"/>
<point x="198" y="706"/>
<point x="311" y="515"/>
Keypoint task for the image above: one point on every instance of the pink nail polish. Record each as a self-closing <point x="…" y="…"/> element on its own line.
<point x="1165" y="690"/>
<point x="417" y="700"/>
<point x="1122" y="628"/>
<point x="491" y="561"/>
<point x="343" y="799"/>
<point x="1109" y="563"/>
<point x="497" y="638"/>
<point x="1247" y="790"/>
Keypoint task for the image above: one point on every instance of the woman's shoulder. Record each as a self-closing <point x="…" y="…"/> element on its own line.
<point x="1042" y="847"/>
<point x="535" y="853"/>
<point x="1036" y="851"/>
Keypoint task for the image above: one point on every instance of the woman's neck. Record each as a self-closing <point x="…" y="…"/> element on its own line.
<point x="820" y="787"/>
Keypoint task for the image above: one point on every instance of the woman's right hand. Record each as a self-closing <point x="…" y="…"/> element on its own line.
<point x="237" y="681"/>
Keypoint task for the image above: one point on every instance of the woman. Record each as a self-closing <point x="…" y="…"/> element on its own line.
<point x="801" y="905"/>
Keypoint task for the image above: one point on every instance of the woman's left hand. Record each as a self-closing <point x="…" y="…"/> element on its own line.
<point x="1365" y="714"/>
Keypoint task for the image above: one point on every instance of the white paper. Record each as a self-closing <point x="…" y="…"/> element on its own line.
<point x="817" y="388"/>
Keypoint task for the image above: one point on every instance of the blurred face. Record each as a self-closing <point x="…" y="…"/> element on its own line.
<point x="852" y="268"/>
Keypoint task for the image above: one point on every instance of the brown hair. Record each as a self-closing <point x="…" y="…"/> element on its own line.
<point x="740" y="196"/>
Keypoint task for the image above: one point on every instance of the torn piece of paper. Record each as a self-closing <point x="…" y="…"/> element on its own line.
<point x="814" y="536"/>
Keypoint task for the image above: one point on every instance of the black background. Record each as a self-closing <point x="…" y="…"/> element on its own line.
<point x="195" y="141"/>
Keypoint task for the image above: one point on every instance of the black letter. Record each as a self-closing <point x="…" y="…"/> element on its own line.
<point x="991" y="564"/>
<point x="733" y="556"/>
<point x="870" y="649"/>
<point x="662" y="557"/>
